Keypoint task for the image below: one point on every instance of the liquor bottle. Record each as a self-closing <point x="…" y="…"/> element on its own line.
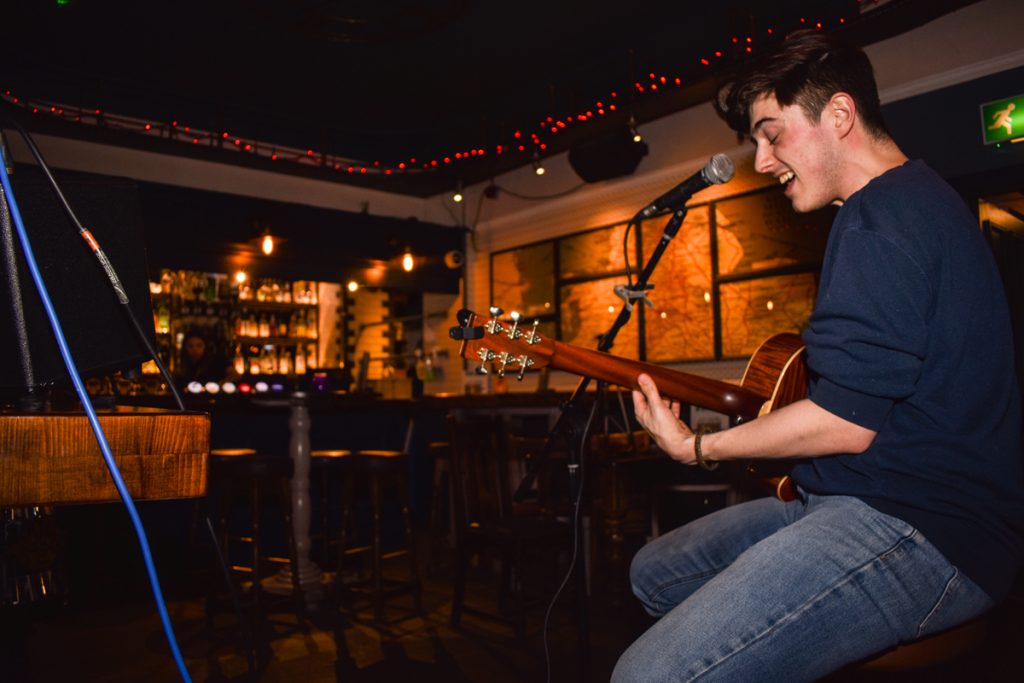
<point x="282" y="326"/>
<point x="163" y="318"/>
<point x="311" y="324"/>
<point x="264" y="326"/>
<point x="239" y="361"/>
<point x="299" y="328"/>
<point x="300" y="361"/>
<point x="284" y="362"/>
<point x="267" y="364"/>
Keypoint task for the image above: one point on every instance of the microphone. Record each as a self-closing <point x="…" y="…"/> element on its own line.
<point x="719" y="170"/>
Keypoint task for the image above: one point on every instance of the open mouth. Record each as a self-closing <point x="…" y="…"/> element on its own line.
<point x="786" y="177"/>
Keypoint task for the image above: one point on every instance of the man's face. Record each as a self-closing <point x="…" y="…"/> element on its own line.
<point x="800" y="153"/>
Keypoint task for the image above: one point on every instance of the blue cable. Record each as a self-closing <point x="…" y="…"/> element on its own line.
<point x="108" y="457"/>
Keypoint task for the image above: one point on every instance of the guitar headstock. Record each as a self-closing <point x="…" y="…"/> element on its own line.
<point x="505" y="342"/>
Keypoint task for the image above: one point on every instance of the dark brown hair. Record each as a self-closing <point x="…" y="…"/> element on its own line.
<point x="807" y="69"/>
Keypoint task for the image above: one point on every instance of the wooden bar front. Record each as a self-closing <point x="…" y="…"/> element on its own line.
<point x="53" y="458"/>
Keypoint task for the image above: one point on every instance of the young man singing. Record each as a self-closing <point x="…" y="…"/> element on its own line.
<point x="907" y="451"/>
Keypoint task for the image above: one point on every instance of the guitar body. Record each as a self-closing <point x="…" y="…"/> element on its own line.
<point x="777" y="370"/>
<point x="776" y="374"/>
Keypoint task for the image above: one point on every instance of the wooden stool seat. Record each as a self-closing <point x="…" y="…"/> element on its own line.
<point x="231" y="452"/>
<point x="381" y="454"/>
<point x="330" y="453"/>
<point x="931" y="650"/>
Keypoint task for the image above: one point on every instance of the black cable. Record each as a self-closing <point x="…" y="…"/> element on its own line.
<point x="625" y="251"/>
<point x="576" y="542"/>
<point x="115" y="281"/>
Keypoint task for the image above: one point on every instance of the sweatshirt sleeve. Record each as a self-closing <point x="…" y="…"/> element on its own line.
<point x="867" y="337"/>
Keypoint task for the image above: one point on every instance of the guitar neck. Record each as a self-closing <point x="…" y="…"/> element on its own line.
<point x="708" y="393"/>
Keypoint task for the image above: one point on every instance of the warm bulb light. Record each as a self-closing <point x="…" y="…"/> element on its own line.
<point x="407" y="262"/>
<point x="268" y="244"/>
<point x="539" y="170"/>
<point x="241" y="277"/>
<point x="352" y="285"/>
<point x="457" y="197"/>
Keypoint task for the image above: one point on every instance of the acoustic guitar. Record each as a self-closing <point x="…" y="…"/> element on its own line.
<point x="775" y="376"/>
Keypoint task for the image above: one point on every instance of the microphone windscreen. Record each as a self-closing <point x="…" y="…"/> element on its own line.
<point x="719" y="170"/>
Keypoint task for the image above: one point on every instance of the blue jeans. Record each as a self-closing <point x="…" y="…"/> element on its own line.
<point x="773" y="591"/>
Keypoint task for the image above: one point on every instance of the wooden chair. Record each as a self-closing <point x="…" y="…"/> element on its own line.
<point x="487" y="521"/>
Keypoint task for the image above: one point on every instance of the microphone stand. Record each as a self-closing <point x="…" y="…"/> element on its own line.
<point x="574" y="428"/>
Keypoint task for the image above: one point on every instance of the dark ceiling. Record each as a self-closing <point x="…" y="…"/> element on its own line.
<point x="367" y="81"/>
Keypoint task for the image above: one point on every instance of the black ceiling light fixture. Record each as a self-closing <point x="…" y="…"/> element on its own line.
<point x="612" y="155"/>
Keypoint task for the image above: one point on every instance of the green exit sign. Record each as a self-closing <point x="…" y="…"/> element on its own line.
<point x="1003" y="120"/>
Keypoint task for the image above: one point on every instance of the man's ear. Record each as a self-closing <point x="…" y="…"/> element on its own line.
<point x="840" y="114"/>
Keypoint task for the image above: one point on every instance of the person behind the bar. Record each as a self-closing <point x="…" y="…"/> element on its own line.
<point x="907" y="451"/>
<point x="199" y="360"/>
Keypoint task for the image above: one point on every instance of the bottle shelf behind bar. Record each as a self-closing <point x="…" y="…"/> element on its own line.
<point x="267" y="327"/>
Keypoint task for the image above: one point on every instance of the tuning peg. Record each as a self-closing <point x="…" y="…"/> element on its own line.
<point x="532" y="337"/>
<point x="504" y="357"/>
<point x="514" y="332"/>
<point x="484" y="355"/>
<point x="524" y="362"/>
<point x="493" y="326"/>
<point x="495" y="311"/>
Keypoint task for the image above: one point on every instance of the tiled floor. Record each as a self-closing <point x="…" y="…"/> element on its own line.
<point x="108" y="630"/>
<point x="124" y="642"/>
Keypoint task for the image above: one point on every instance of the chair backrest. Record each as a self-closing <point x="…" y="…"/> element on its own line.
<point x="479" y="469"/>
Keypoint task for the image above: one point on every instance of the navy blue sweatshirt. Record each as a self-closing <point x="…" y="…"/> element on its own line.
<point x="911" y="338"/>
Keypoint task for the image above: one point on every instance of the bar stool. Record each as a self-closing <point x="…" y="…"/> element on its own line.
<point x="240" y="470"/>
<point x="327" y="465"/>
<point x="931" y="650"/>
<point x="442" y="516"/>
<point x="381" y="469"/>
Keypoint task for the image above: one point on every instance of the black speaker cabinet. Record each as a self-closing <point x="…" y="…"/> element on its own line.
<point x="99" y="334"/>
<point x="612" y="155"/>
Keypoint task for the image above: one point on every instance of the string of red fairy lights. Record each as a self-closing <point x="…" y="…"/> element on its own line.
<point x="528" y="143"/>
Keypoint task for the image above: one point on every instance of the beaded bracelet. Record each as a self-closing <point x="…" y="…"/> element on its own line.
<point x="706" y="464"/>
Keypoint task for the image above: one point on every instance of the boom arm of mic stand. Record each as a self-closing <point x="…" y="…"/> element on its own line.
<point x="607" y="340"/>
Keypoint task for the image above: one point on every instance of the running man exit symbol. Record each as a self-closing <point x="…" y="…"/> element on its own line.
<point x="1003" y="120"/>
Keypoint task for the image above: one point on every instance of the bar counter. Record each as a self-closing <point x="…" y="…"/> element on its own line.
<point x="352" y="421"/>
